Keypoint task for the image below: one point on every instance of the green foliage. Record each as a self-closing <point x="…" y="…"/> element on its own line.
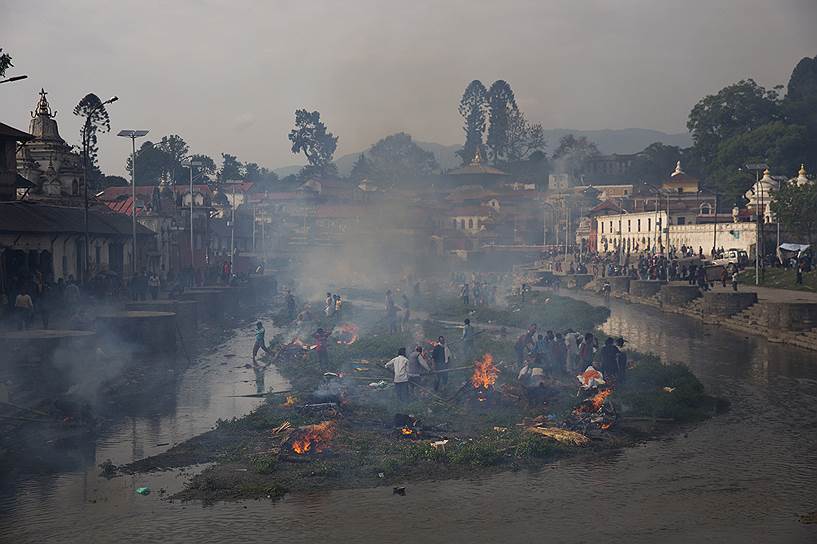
<point x="231" y="168"/>
<point x="501" y="105"/>
<point x="776" y="143"/>
<point x="362" y="169"/>
<point x="484" y="451"/>
<point x="735" y="109"/>
<point x="264" y="464"/>
<point x="473" y="108"/>
<point x="534" y="446"/>
<point x="311" y="137"/>
<point x="643" y="393"/>
<point x="795" y="207"/>
<point x="396" y="158"/>
<point x="151" y="164"/>
<point x="95" y="119"/>
<point x="653" y="164"/>
<point x="175" y="150"/>
<point x="206" y="171"/>
<point x="800" y="104"/>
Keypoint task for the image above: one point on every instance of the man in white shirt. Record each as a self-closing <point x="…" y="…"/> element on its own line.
<point x="401" y="377"/>
<point x="572" y="339"/>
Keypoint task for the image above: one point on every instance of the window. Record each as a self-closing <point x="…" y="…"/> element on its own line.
<point x="638" y="225"/>
<point x="470" y="223"/>
<point x="97" y="256"/>
<point x="629" y="229"/>
<point x="706" y="209"/>
<point x="682" y="220"/>
<point x="611" y="227"/>
<point x="649" y="224"/>
<point x="602" y="227"/>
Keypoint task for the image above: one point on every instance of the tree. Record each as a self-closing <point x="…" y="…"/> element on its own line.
<point x="794" y="207"/>
<point x="205" y="171"/>
<point x="5" y="62"/>
<point x="654" y="164"/>
<point x="151" y="164"/>
<point x="317" y="144"/>
<point x="261" y="176"/>
<point x="473" y="108"/>
<point x="800" y="103"/>
<point x="176" y="150"/>
<point x="522" y="137"/>
<point x="231" y="168"/>
<point x="362" y="169"/>
<point x="114" y="181"/>
<point x="397" y="158"/>
<point x="777" y="144"/>
<point x="95" y="119"/>
<point x="735" y="109"/>
<point x="573" y="154"/>
<point x="501" y="104"/>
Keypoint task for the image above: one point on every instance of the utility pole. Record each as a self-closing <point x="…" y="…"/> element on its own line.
<point x="133" y="134"/>
<point x="715" y="231"/>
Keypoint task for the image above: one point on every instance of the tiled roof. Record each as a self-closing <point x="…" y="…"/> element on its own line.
<point x="33" y="217"/>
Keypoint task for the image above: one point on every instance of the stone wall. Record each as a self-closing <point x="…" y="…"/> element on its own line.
<point x="138" y="331"/>
<point x="645" y="288"/>
<point x="791" y="316"/>
<point x="619" y="284"/>
<point x="678" y="295"/>
<point x="726" y="304"/>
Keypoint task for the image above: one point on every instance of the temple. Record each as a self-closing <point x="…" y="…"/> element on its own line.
<point x="48" y="162"/>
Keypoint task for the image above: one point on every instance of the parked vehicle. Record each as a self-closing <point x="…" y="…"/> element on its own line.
<point x="732" y="259"/>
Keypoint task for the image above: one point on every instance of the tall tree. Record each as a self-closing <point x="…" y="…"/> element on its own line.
<point x="800" y="103"/>
<point x="501" y="104"/>
<point x="573" y="154"/>
<point x="317" y="144"/>
<point x="151" y="164"/>
<point x="397" y="158"/>
<point x="523" y="138"/>
<point x="205" y="171"/>
<point x="5" y="62"/>
<point x="362" y="169"/>
<point x="231" y="168"/>
<point x="794" y="207"/>
<point x="473" y="108"/>
<point x="734" y="110"/>
<point x="95" y="119"/>
<point x="176" y="150"/>
<point x="654" y="164"/>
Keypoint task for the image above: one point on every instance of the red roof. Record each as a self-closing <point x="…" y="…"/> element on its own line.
<point x="607" y="205"/>
<point x="123" y="206"/>
<point x="114" y="193"/>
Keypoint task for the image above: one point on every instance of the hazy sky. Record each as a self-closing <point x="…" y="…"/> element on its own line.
<point x="228" y="75"/>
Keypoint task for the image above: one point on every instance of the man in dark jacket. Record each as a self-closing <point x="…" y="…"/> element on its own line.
<point x="608" y="358"/>
<point x="441" y="357"/>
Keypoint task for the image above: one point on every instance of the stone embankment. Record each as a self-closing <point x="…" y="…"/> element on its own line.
<point x="777" y="317"/>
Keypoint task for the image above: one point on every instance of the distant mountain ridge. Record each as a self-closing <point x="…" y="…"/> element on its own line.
<point x="621" y="141"/>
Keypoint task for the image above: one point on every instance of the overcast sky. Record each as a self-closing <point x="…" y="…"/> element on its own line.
<point x="228" y="75"/>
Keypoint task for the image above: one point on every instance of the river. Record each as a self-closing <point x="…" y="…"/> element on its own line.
<point x="743" y="476"/>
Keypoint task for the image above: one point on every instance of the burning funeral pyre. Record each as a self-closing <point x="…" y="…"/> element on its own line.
<point x="346" y="333"/>
<point x="595" y="410"/>
<point x="484" y="377"/>
<point x="310" y="439"/>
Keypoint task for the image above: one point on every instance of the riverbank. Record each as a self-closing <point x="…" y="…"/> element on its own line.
<point x="358" y="436"/>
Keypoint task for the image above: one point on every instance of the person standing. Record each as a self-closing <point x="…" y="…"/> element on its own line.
<point x="608" y="359"/>
<point x="329" y="305"/>
<point x="465" y="294"/>
<point x="572" y="340"/>
<point x="24" y="307"/>
<point x="399" y="365"/>
<point x="416" y="364"/>
<point x="735" y="280"/>
<point x="260" y="342"/>
<point x="290" y="305"/>
<point x="322" y="346"/>
<point x="391" y="313"/>
<point x="467" y="340"/>
<point x="587" y="350"/>
<point x="621" y="359"/>
<point x="404" y="324"/>
<point x="800" y="267"/>
<point x="441" y="356"/>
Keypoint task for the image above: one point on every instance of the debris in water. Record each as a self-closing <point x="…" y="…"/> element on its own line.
<point x="108" y="469"/>
<point x="669" y="389"/>
<point x="399" y="491"/>
<point x="143" y="490"/>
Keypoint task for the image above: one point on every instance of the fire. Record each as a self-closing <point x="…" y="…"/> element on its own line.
<point x="598" y="399"/>
<point x="485" y="372"/>
<point x="313" y="438"/>
<point x="300" y="343"/>
<point x="290" y="402"/>
<point x="347" y="333"/>
<point x="407" y="431"/>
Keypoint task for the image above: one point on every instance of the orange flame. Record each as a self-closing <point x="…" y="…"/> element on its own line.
<point x="313" y="437"/>
<point x="290" y="402"/>
<point x="598" y="399"/>
<point x="485" y="372"/>
<point x="407" y="431"/>
<point x="347" y="333"/>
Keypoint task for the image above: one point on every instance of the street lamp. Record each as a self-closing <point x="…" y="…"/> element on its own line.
<point x="757" y="167"/>
<point x="86" y="143"/>
<point x="190" y="164"/>
<point x="133" y="134"/>
<point x="13" y="78"/>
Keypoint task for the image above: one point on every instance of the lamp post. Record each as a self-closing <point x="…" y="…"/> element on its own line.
<point x="13" y="78"/>
<point x="133" y="134"/>
<point x="85" y="145"/>
<point x="757" y="167"/>
<point x="190" y="166"/>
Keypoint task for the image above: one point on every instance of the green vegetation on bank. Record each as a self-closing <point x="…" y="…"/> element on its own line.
<point x="781" y="278"/>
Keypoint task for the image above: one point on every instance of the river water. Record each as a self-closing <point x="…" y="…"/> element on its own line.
<point x="743" y="476"/>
